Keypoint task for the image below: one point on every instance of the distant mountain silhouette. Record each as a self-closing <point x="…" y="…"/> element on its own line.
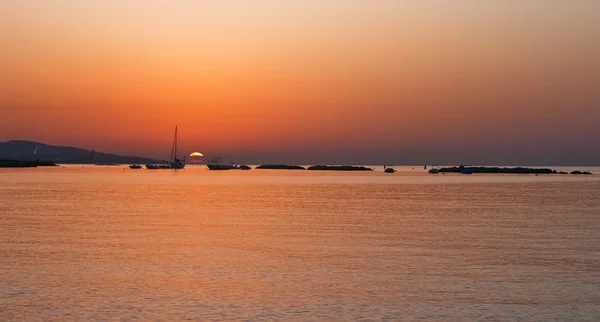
<point x="27" y="150"/>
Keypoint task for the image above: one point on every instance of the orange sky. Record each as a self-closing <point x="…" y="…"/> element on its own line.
<point x="323" y="81"/>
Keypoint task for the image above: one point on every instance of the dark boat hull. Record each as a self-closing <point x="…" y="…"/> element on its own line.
<point x="219" y="167"/>
<point x="227" y="167"/>
<point x="157" y="166"/>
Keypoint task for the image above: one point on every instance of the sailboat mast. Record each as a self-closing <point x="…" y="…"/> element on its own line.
<point x="174" y="148"/>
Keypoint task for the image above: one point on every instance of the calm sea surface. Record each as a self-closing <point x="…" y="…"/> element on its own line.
<point x="108" y="243"/>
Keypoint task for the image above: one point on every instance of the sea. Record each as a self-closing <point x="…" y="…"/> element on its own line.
<point x="106" y="243"/>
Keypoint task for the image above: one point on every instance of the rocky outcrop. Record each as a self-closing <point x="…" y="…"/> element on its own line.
<point x="517" y="170"/>
<point x="280" y="167"/>
<point x="339" y="168"/>
<point x="580" y="172"/>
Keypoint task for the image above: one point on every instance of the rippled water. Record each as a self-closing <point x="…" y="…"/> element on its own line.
<point x="107" y="243"/>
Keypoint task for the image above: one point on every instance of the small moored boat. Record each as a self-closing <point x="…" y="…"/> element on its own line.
<point x="216" y="164"/>
<point x="174" y="163"/>
<point x="155" y="166"/>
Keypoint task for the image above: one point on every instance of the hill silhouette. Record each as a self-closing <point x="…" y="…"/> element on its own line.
<point x="27" y="150"/>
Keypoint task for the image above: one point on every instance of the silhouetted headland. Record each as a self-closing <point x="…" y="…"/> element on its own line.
<point x="26" y="150"/>
<point x="4" y="163"/>
<point x="280" y="167"/>
<point x="339" y="168"/>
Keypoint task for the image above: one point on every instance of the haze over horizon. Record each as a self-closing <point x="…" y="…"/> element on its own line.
<point x="391" y="82"/>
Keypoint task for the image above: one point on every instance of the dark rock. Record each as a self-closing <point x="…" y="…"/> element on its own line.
<point x="580" y="172"/>
<point x="280" y="167"/>
<point x="517" y="170"/>
<point x="339" y="168"/>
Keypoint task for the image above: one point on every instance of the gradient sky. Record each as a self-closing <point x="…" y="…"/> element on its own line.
<point x="337" y="81"/>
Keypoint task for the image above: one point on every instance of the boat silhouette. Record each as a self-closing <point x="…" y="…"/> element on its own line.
<point x="174" y="162"/>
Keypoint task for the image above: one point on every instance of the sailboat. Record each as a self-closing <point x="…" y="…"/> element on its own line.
<point x="174" y="163"/>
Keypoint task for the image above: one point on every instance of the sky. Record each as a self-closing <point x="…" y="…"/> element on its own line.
<point x="337" y="81"/>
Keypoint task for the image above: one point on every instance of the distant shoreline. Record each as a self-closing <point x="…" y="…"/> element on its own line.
<point x="504" y="170"/>
<point x="7" y="163"/>
<point x="573" y="170"/>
